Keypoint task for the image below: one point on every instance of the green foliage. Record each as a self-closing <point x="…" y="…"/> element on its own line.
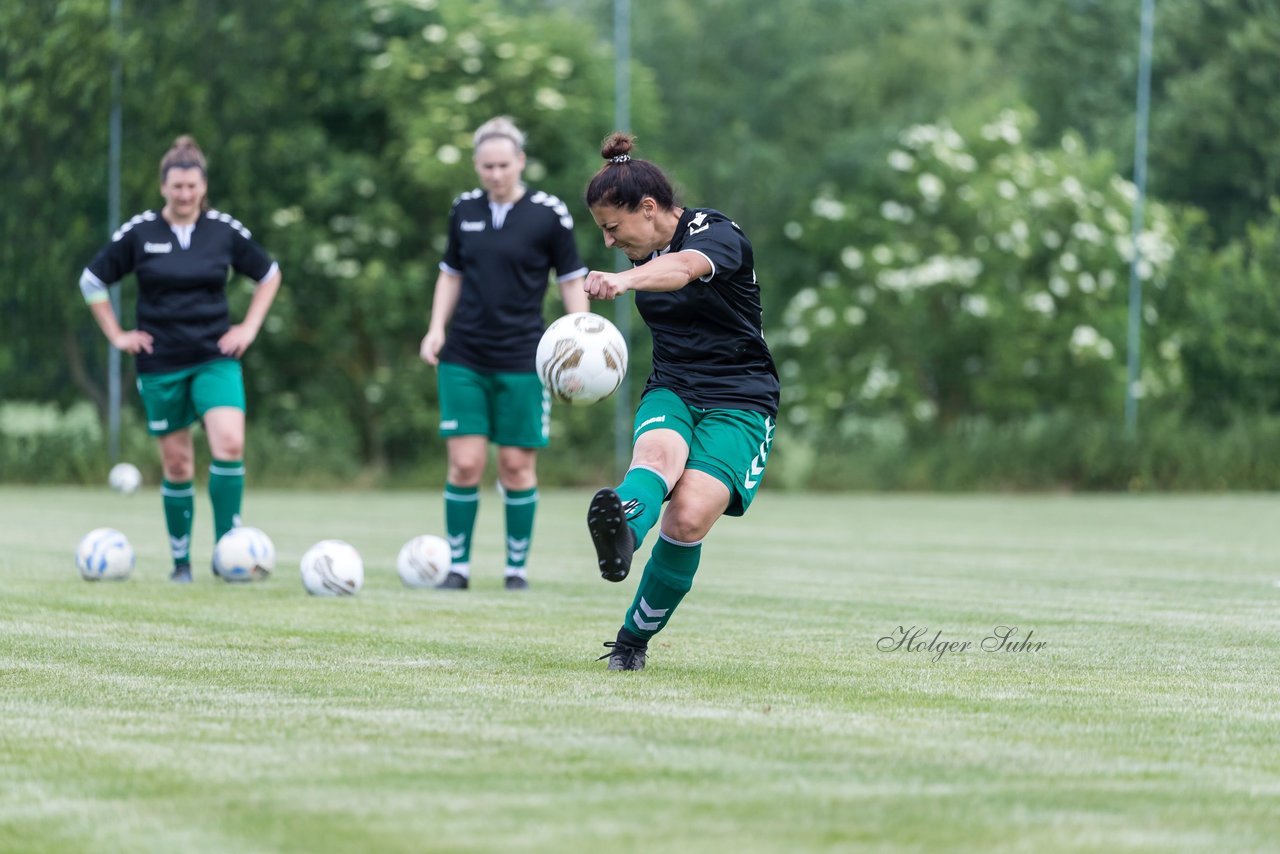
<point x="54" y="61"/>
<point x="1215" y="124"/>
<point x="1227" y="313"/>
<point x="339" y="132"/>
<point x="1076" y="63"/>
<point x="985" y="278"/>
<point x="780" y="105"/>
<point x="39" y="443"/>
<point x="1055" y="451"/>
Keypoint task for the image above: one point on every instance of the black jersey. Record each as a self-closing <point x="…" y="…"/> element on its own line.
<point x="182" y="291"/>
<point x="708" y="340"/>
<point x="498" y="322"/>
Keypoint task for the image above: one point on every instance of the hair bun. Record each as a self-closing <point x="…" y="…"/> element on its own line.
<point x="617" y="147"/>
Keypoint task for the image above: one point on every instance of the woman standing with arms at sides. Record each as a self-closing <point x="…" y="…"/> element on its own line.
<point x="188" y="351"/>
<point x="704" y="427"/>
<point x="504" y="240"/>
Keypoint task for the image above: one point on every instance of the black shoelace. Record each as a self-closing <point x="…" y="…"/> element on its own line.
<point x="625" y="650"/>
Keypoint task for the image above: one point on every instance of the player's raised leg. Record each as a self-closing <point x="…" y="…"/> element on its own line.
<point x="618" y="519"/>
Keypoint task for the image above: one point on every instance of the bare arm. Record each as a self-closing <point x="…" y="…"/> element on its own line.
<point x="448" y="289"/>
<point x="133" y="341"/>
<point x="574" y="297"/>
<point x="664" y="273"/>
<point x="237" y="339"/>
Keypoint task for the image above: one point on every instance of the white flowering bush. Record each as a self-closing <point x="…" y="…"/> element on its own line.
<point x="986" y="278"/>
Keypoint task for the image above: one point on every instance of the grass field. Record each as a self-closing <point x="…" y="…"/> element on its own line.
<point x="143" y="716"/>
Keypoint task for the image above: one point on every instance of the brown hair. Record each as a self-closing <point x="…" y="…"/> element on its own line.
<point x="185" y="153"/>
<point x="624" y="181"/>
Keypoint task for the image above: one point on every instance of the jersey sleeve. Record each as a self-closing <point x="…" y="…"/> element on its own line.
<point x="564" y="249"/>
<point x="248" y="258"/>
<point x="452" y="261"/>
<point x="719" y="241"/>
<point x="112" y="263"/>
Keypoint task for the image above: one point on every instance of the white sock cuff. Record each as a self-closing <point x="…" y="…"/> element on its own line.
<point x="676" y="542"/>
<point x="657" y="474"/>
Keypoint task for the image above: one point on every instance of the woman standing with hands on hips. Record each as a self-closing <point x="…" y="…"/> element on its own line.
<point x="486" y="321"/>
<point x="187" y="349"/>
<point x="704" y="427"/>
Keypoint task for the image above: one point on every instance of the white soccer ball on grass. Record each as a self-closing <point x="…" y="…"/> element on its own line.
<point x="424" y="561"/>
<point x="124" y="478"/>
<point x="105" y="555"/>
<point x="581" y="358"/>
<point x="244" y="554"/>
<point x="332" y="568"/>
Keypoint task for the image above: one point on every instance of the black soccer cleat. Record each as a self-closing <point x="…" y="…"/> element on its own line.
<point x="624" y="656"/>
<point x="454" y="581"/>
<point x="627" y="652"/>
<point x="611" y="535"/>
<point x="181" y="574"/>
<point x="516" y="582"/>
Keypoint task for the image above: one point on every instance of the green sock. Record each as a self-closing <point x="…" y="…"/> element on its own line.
<point x="461" y="503"/>
<point x="648" y="490"/>
<point x="226" y="488"/>
<point x="179" y="510"/>
<point x="667" y="577"/>
<point x="521" y="507"/>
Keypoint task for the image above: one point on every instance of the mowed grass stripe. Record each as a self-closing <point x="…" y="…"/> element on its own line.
<point x="149" y="717"/>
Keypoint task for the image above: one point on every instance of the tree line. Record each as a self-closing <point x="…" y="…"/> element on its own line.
<point x="937" y="192"/>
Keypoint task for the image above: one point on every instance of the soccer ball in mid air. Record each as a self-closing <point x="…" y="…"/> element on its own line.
<point x="582" y="358"/>
<point x="125" y="478"/>
<point x="424" y="561"/>
<point x="332" y="568"/>
<point x="244" y="554"/>
<point x="104" y="554"/>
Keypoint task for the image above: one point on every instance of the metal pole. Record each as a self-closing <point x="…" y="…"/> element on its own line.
<point x="113" y="222"/>
<point x="1132" y="386"/>
<point x="622" y="307"/>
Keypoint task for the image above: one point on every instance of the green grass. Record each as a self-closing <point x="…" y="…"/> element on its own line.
<point x="141" y="716"/>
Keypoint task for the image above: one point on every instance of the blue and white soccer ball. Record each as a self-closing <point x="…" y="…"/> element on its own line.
<point x="124" y="478"/>
<point x="332" y="568"/>
<point x="105" y="554"/>
<point x="581" y="358"/>
<point x="244" y="554"/>
<point x="424" y="561"/>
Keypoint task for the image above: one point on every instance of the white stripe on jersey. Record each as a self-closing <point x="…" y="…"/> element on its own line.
<point x="553" y="202"/>
<point x="229" y="220"/>
<point x="145" y="216"/>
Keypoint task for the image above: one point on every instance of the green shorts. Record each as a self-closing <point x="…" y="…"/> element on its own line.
<point x="178" y="399"/>
<point x="510" y="409"/>
<point x="731" y="445"/>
